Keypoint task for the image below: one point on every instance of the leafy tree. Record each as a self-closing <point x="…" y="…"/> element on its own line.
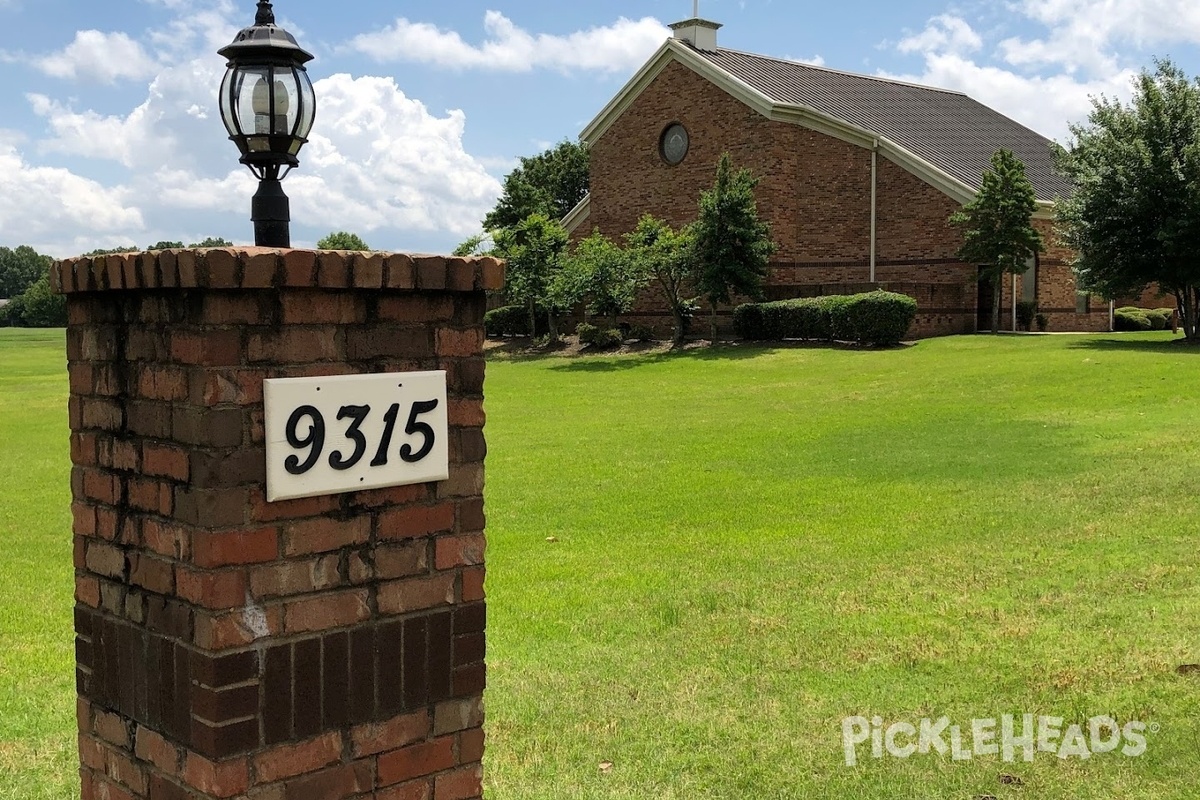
<point x="604" y="275"/>
<point x="550" y="184"/>
<point x="106" y="251"/>
<point x="20" y="269"/>
<point x="1134" y="218"/>
<point x="668" y="258"/>
<point x="733" y="246"/>
<point x="212" y="242"/>
<point x="41" y="308"/>
<point x="341" y="240"/>
<point x="478" y="245"/>
<point x="534" y="249"/>
<point x="997" y="225"/>
<point x="166" y="246"/>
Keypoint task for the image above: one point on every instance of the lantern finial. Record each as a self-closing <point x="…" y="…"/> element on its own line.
<point x="266" y="14"/>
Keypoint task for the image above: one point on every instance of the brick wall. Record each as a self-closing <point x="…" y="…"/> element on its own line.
<point x="815" y="191"/>
<point x="322" y="648"/>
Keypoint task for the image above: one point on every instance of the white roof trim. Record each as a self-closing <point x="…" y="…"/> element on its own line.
<point x="805" y="116"/>
<point x="578" y="215"/>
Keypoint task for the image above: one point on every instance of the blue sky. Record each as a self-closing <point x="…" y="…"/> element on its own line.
<point x="109" y="136"/>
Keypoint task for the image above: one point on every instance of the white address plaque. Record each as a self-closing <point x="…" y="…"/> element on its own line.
<point x="348" y="433"/>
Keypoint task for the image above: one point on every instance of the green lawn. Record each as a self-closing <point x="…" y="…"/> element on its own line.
<point x="753" y="544"/>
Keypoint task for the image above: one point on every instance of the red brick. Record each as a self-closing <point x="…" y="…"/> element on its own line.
<point x="229" y="548"/>
<point x="106" y="560"/>
<point x="166" y="539"/>
<point x="152" y="747"/>
<point x="120" y="768"/>
<point x="327" y="308"/>
<point x="84" y="519"/>
<point x="391" y="496"/>
<point x="259" y="268"/>
<point x="416" y="308"/>
<point x="472" y="584"/>
<point x="107" y="790"/>
<point x="459" y="344"/>
<point x="462" y="784"/>
<point x="162" y="383"/>
<point x="459" y="551"/>
<point x="165" y="462"/>
<point x="263" y="511"/>
<point x="413" y="790"/>
<point x="416" y="761"/>
<point x="457" y="715"/>
<point x="325" y="534"/>
<point x="213" y="387"/>
<point x="367" y="270"/>
<point x="431" y="272"/>
<point x="295" y="345"/>
<point x="218" y="779"/>
<point x="401" y="561"/>
<point x="416" y="594"/>
<point x="401" y="273"/>
<point x="295" y="577"/>
<point x="337" y="783"/>
<point x="112" y="728"/>
<point x="124" y="455"/>
<point x="379" y="737"/>
<point x="414" y="521"/>
<point x="228" y="308"/>
<point x="493" y="274"/>
<point x="224" y="589"/>
<point x="87" y="591"/>
<point x="333" y="269"/>
<point x="326" y="612"/>
<point x="103" y="487"/>
<point x="152" y="574"/>
<point x="291" y="760"/>
<point x="91" y="752"/>
<point x="470" y="746"/>
<point x="221" y="268"/>
<point x="213" y="348"/>
<point x="466" y="413"/>
<point x="227" y="631"/>
<point x="150" y="495"/>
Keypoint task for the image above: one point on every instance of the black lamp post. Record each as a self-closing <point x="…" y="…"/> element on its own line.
<point x="268" y="107"/>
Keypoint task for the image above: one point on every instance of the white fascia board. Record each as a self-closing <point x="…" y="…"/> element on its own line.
<point x="578" y="215"/>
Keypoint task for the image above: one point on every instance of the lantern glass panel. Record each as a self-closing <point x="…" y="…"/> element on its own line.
<point x="287" y="102"/>
<point x="227" y="115"/>
<point x="308" y="105"/>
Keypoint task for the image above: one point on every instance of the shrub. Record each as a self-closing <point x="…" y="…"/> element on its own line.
<point x="1158" y="321"/>
<point x="508" y="321"/>
<point x="599" y="338"/>
<point x="1131" y="319"/>
<point x="1043" y="322"/>
<point x="641" y="333"/>
<point x="1026" y="311"/>
<point x="879" y="318"/>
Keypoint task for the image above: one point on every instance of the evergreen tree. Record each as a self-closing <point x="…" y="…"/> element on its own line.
<point x="733" y="246"/>
<point x="997" y="227"/>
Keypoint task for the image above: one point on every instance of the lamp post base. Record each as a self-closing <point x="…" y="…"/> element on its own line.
<point x="271" y="214"/>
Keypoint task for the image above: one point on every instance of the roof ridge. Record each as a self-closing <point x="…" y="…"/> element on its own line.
<point x="892" y="81"/>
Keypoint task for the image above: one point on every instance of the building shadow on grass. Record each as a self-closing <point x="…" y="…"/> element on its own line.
<point x="696" y="351"/>
<point x="1177" y="346"/>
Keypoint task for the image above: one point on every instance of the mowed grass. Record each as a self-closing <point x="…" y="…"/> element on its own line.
<point x="753" y="543"/>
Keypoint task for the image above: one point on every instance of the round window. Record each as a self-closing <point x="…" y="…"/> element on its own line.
<point x="674" y="144"/>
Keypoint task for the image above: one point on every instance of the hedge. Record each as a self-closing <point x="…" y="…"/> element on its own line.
<point x="876" y="318"/>
<point x="512" y="321"/>
<point x="1131" y="318"/>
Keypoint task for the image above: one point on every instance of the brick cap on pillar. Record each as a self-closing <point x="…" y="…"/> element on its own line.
<point x="267" y="268"/>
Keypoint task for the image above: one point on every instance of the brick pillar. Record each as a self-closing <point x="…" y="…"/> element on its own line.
<point x="313" y="649"/>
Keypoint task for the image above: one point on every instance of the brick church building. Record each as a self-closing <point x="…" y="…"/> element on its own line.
<point x="859" y="176"/>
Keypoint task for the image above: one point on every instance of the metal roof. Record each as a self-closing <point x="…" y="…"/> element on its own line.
<point x="948" y="129"/>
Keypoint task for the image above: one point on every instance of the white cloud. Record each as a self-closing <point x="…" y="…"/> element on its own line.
<point x="54" y="206"/>
<point x="379" y="159"/>
<point x="945" y="34"/>
<point x="622" y="46"/>
<point x="100" y="57"/>
<point x="1085" y="34"/>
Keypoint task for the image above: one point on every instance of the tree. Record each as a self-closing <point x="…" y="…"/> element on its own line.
<point x="41" y="308"/>
<point x="599" y="272"/>
<point x="341" y="240"/>
<point x="1134" y="218"/>
<point x="480" y="244"/>
<point x="551" y="184"/>
<point x="997" y="226"/>
<point x="19" y="269"/>
<point x="212" y="242"/>
<point x="106" y="251"/>
<point x="166" y="246"/>
<point x="668" y="257"/>
<point x="534" y="249"/>
<point x="733" y="246"/>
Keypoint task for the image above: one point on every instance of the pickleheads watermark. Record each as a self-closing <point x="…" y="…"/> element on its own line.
<point x="1009" y="737"/>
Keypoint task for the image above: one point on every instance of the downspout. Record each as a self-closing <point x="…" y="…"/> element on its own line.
<point x="1112" y="315"/>
<point x="1014" y="304"/>
<point x="874" y="201"/>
